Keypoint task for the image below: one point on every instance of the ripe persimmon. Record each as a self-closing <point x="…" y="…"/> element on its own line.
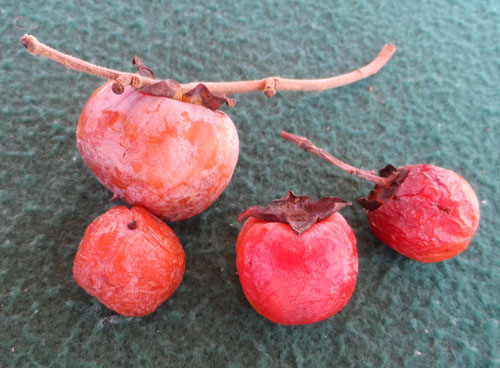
<point x="172" y="157"/>
<point x="297" y="259"/>
<point x="425" y="212"/>
<point x="129" y="260"/>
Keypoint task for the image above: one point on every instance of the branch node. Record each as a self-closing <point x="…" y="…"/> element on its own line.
<point x="270" y="85"/>
<point x="135" y="82"/>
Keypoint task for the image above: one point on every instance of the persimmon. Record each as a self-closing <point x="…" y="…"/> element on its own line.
<point x="425" y="212"/>
<point x="172" y="157"/>
<point x="297" y="259"/>
<point x="130" y="261"/>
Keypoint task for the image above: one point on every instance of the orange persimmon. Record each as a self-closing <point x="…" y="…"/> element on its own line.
<point x="171" y="157"/>
<point x="130" y="261"/>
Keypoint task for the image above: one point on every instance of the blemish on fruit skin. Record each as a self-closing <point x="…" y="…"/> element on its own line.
<point x="202" y="137"/>
<point x="155" y="109"/>
<point x="110" y="117"/>
<point x="116" y="179"/>
<point x="137" y="166"/>
<point x="443" y="209"/>
<point x="169" y="130"/>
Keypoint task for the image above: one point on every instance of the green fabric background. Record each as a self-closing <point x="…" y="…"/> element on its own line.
<point x="437" y="101"/>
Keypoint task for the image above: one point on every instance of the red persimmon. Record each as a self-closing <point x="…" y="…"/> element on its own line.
<point x="431" y="217"/>
<point x="172" y="157"/>
<point x="424" y="212"/>
<point x="297" y="266"/>
<point x="130" y="261"/>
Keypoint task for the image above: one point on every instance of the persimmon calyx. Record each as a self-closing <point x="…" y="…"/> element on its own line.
<point x="300" y="212"/>
<point x="199" y="95"/>
<point x="381" y="194"/>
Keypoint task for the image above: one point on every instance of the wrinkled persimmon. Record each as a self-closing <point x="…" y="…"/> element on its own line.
<point x="425" y="212"/>
<point x="130" y="261"/>
<point x="432" y="216"/>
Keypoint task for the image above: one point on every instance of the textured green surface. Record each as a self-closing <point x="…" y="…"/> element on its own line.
<point x="437" y="101"/>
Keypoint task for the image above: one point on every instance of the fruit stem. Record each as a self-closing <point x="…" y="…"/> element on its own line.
<point x="308" y="146"/>
<point x="269" y="85"/>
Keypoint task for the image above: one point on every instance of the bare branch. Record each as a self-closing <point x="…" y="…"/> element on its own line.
<point x="269" y="85"/>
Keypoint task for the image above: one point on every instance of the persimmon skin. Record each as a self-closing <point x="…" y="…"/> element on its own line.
<point x="130" y="261"/>
<point x="297" y="279"/>
<point x="432" y="217"/>
<point x="171" y="157"/>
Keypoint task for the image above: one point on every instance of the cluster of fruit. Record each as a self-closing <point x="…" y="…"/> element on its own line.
<point x="167" y="150"/>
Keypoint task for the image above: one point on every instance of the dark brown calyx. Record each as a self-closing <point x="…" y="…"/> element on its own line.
<point x="165" y="88"/>
<point x="132" y="225"/>
<point x="298" y="212"/>
<point x="199" y="95"/>
<point x="381" y="194"/>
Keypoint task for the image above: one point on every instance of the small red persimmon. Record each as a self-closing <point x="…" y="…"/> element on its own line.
<point x="424" y="212"/>
<point x="130" y="261"/>
<point x="431" y="217"/>
<point x="297" y="259"/>
<point x="172" y="157"/>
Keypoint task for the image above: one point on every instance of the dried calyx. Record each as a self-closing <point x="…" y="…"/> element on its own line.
<point x="199" y="95"/>
<point x="142" y="69"/>
<point x="300" y="212"/>
<point x="381" y="194"/>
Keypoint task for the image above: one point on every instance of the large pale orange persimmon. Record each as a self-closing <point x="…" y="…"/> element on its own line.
<point x="172" y="157"/>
